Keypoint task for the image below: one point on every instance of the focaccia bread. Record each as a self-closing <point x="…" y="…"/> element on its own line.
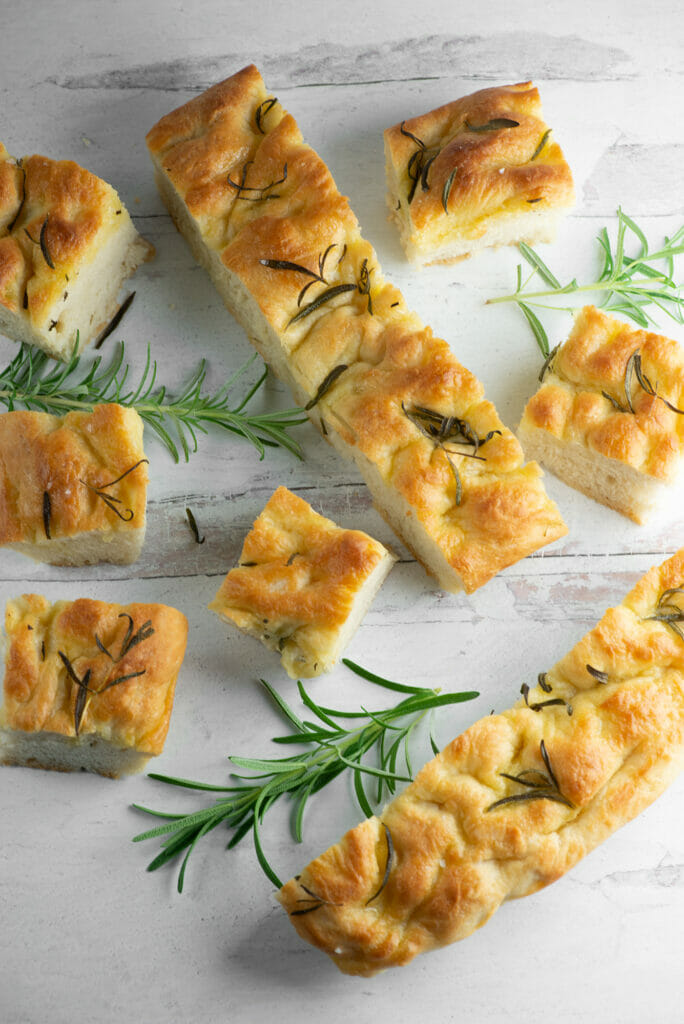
<point x="516" y="800"/>
<point x="608" y="417"/>
<point x="67" y="244"/>
<point x="303" y="584"/>
<point x="263" y="215"/>
<point x="73" y="490"/>
<point x="484" y="170"/>
<point x="88" y="685"/>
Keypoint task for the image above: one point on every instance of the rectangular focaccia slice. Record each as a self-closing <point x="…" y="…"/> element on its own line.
<point x="67" y="244"/>
<point x="73" y="489"/>
<point x="262" y="213"/>
<point x="483" y="170"/>
<point x="302" y="584"/>
<point x="515" y="801"/>
<point x="608" y="417"/>
<point x="88" y="685"/>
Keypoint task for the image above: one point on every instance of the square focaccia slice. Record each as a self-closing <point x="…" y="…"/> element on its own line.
<point x="67" y="244"/>
<point x="88" y="685"/>
<point x="483" y="170"/>
<point x="73" y="489"/>
<point x="516" y="800"/>
<point x="303" y="584"/>
<point x="608" y="417"/>
<point x="264" y="216"/>
<point x="441" y="465"/>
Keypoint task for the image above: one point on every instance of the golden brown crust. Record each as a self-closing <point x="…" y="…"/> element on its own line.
<point x="41" y="695"/>
<point x="455" y="856"/>
<point x="70" y="459"/>
<point x="298" y="582"/>
<point x="55" y="218"/>
<point x="574" y="403"/>
<point x="310" y="292"/>
<point x="485" y="157"/>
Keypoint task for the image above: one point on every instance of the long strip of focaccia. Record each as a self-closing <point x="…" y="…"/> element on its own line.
<point x="516" y="800"/>
<point x="264" y="216"/>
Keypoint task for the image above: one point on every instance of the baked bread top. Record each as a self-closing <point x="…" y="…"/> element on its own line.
<point x="53" y="214"/>
<point x="455" y="169"/>
<point x="516" y="800"/>
<point x="128" y="657"/>
<point x="615" y="388"/>
<point x="422" y="420"/>
<point x="66" y="244"/>
<point x="298" y="582"/>
<point x="60" y="477"/>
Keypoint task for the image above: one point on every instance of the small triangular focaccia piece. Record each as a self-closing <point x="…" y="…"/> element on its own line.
<point x="262" y="213"/>
<point x="516" y="800"/>
<point x="608" y="418"/>
<point x="88" y="685"/>
<point x="67" y="244"/>
<point x="483" y="170"/>
<point x="73" y="489"/>
<point x="303" y="584"/>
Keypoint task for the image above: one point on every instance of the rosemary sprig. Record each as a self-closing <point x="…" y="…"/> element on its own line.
<point x="334" y="747"/>
<point x="34" y="381"/>
<point x="440" y="429"/>
<point x="629" y="283"/>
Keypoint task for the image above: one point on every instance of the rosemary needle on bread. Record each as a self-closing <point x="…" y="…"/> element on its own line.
<point x="33" y="381"/>
<point x="334" y="747"/>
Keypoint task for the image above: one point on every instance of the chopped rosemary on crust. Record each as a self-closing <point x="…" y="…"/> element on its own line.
<point x="110" y="500"/>
<point x="538" y="785"/>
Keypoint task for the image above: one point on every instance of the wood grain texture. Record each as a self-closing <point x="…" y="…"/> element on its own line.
<point x="85" y="81"/>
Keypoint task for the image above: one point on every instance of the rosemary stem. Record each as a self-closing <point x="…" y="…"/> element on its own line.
<point x="598" y="286"/>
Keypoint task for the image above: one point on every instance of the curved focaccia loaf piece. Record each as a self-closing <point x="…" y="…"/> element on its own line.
<point x="264" y="216"/>
<point x="484" y="170"/>
<point x="73" y="490"/>
<point x="88" y="685"/>
<point x="67" y="244"/>
<point x="516" y="800"/>
<point x="302" y="584"/>
<point x="608" y="417"/>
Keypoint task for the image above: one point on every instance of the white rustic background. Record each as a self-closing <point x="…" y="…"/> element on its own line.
<point x="87" y="934"/>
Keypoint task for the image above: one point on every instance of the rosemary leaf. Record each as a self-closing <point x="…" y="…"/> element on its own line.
<point x="492" y="126"/>
<point x="326" y="384"/>
<point x="446" y="191"/>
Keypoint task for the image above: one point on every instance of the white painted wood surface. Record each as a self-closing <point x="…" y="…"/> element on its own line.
<point x="87" y="934"/>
